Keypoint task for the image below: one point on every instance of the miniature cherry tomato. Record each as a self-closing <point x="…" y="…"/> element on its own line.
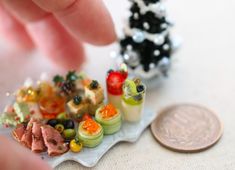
<point x="114" y="83"/>
<point x="86" y="116"/>
<point x="75" y="145"/>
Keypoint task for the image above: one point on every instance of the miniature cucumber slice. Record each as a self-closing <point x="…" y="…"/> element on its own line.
<point x="86" y="135"/>
<point x="91" y="143"/>
<point x="22" y="110"/>
<point x="111" y="129"/>
<point x="116" y="118"/>
<point x="89" y="140"/>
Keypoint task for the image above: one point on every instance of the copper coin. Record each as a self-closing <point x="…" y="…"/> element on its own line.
<point x="187" y="128"/>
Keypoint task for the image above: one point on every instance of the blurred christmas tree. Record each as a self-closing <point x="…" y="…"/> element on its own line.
<point x="147" y="46"/>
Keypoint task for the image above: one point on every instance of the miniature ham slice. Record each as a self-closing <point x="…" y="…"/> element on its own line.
<point x="18" y="132"/>
<point x="26" y="139"/>
<point x="53" y="141"/>
<point x="37" y="140"/>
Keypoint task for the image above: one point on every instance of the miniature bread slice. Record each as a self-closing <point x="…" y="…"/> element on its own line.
<point x="77" y="106"/>
<point x="94" y="92"/>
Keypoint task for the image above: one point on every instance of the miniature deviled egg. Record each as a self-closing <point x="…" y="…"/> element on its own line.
<point x="90" y="133"/>
<point x="133" y="99"/>
<point x="110" y="118"/>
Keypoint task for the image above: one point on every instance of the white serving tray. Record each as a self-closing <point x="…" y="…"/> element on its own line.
<point x="89" y="157"/>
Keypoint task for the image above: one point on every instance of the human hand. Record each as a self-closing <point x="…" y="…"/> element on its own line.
<point x="14" y="156"/>
<point x="57" y="27"/>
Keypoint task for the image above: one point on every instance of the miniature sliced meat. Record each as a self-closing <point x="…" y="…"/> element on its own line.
<point x="18" y="132"/>
<point x="53" y="141"/>
<point x="26" y="139"/>
<point x="37" y="139"/>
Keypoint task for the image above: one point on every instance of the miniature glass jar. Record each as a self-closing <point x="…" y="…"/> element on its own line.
<point x="132" y="105"/>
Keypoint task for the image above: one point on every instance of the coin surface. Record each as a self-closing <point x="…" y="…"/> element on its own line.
<point x="187" y="128"/>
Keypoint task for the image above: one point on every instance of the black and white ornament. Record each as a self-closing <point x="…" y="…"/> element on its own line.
<point x="147" y="47"/>
<point x="138" y="36"/>
<point x="164" y="65"/>
<point x="159" y="40"/>
<point x="131" y="58"/>
<point x="160" y="9"/>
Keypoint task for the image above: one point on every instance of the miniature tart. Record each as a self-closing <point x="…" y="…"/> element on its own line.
<point x="90" y="133"/>
<point x="110" y="119"/>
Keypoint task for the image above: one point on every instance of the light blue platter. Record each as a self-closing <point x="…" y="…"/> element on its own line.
<point x="89" y="157"/>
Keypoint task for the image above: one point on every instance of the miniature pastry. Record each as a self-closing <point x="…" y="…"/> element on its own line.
<point x="77" y="106"/>
<point x="133" y="99"/>
<point x="90" y="133"/>
<point x="110" y="118"/>
<point x="94" y="92"/>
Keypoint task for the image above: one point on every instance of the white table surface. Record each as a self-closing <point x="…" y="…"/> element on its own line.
<point x="203" y="73"/>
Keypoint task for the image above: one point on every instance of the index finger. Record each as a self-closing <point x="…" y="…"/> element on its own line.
<point x="88" y="20"/>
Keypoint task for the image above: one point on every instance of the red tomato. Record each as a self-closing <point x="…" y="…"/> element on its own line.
<point x="114" y="83"/>
<point x="86" y="116"/>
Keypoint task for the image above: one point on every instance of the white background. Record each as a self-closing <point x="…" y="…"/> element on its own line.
<point x="203" y="73"/>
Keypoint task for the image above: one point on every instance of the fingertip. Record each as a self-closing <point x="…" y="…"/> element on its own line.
<point x="88" y="20"/>
<point x="14" y="32"/>
<point x="105" y="38"/>
<point x="56" y="43"/>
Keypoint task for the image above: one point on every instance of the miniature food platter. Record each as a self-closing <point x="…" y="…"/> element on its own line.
<point x="89" y="157"/>
<point x="69" y="118"/>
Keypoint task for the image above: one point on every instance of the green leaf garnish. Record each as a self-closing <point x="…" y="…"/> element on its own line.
<point x="71" y="76"/>
<point x="58" y="79"/>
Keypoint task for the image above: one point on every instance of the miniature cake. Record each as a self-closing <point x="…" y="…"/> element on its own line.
<point x="94" y="92"/>
<point x="77" y="106"/>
